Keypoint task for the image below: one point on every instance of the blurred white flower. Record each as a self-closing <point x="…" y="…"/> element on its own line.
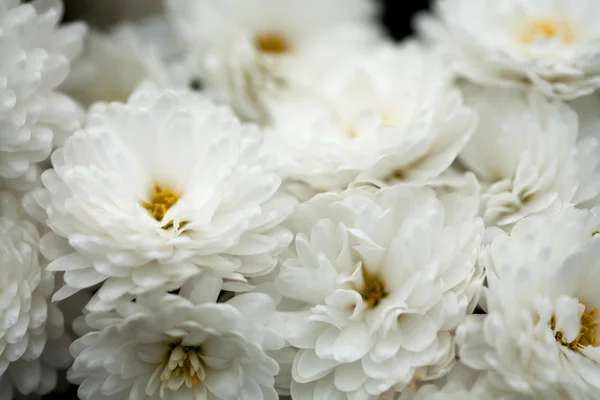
<point x="551" y="45"/>
<point x="180" y="347"/>
<point x="540" y="336"/>
<point x="462" y="383"/>
<point x="115" y="63"/>
<point x="34" y="59"/>
<point x="380" y="280"/>
<point x="527" y="157"/>
<point x="392" y="115"/>
<point x="249" y="49"/>
<point x="153" y="192"/>
<point x="32" y="340"/>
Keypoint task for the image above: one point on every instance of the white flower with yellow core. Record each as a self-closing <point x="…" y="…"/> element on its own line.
<point x="391" y="115"/>
<point x="153" y="192"/>
<point x="540" y="336"/>
<point x="249" y="50"/>
<point x="186" y="346"/>
<point x="377" y="281"/>
<point x="550" y="45"/>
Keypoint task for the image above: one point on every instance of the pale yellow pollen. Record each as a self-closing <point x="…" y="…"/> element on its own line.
<point x="587" y="332"/>
<point x="389" y="118"/>
<point x="162" y="200"/>
<point x="547" y="29"/>
<point x="373" y="290"/>
<point x="183" y="361"/>
<point x="272" y="43"/>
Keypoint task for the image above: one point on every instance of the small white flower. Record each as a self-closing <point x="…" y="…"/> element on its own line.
<point x="115" y="63"/>
<point x="380" y="281"/>
<point x="392" y="115"/>
<point x="34" y="60"/>
<point x="29" y="324"/>
<point x="527" y="157"/>
<point x="249" y="49"/>
<point x="551" y="45"/>
<point x="540" y="335"/>
<point x="158" y="190"/>
<point x="180" y="347"/>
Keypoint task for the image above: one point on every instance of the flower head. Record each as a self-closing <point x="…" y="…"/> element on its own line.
<point x="550" y="45"/>
<point x="158" y="190"/>
<point x="527" y="155"/>
<point x="184" y="346"/>
<point x="35" y="57"/>
<point x="248" y="50"/>
<point x="393" y="115"/>
<point x="539" y="337"/>
<point x="377" y="282"/>
<point x="29" y="324"/>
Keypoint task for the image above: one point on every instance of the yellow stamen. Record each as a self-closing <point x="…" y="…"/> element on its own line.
<point x="587" y="332"/>
<point x="272" y="43"/>
<point x="547" y="29"/>
<point x="161" y="201"/>
<point x="194" y="381"/>
<point x="373" y="290"/>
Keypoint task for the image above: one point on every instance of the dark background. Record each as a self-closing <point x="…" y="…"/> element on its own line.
<point x="101" y="13"/>
<point x="397" y="15"/>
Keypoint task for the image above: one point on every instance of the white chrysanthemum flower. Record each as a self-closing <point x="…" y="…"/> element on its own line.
<point x="392" y="115"/>
<point x="34" y="60"/>
<point x="180" y="347"/>
<point x="551" y="45"/>
<point x="247" y="50"/>
<point x="155" y="191"/>
<point x="381" y="280"/>
<point x="540" y="335"/>
<point x="115" y="63"/>
<point x="29" y="325"/>
<point x="527" y="157"/>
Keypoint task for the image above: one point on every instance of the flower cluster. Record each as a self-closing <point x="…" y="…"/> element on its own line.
<point x="270" y="199"/>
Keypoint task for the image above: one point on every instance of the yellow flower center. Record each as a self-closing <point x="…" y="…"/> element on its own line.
<point x="161" y="201"/>
<point x="587" y="332"/>
<point x="273" y="43"/>
<point x="183" y="367"/>
<point x="547" y="29"/>
<point x="373" y="290"/>
<point x="389" y="118"/>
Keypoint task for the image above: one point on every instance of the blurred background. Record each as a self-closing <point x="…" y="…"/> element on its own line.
<point x="102" y="13"/>
<point x="396" y="17"/>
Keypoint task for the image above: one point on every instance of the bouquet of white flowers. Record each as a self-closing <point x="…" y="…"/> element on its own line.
<point x="264" y="199"/>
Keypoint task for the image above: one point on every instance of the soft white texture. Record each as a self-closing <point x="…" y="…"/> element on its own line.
<point x="222" y="44"/>
<point x="547" y="267"/>
<point x="142" y="344"/>
<point x="226" y="219"/>
<point x="553" y="46"/>
<point x="32" y="340"/>
<point x="34" y="59"/>
<point x="392" y="114"/>
<point x="527" y="155"/>
<point x="116" y="62"/>
<point x="421" y="248"/>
